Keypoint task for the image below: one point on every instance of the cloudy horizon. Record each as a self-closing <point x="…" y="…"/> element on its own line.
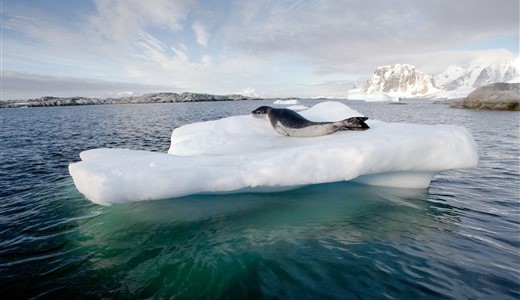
<point x="266" y="48"/>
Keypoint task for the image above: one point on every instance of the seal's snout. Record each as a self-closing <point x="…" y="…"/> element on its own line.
<point x="261" y="111"/>
<point x="355" y="123"/>
<point x="358" y="123"/>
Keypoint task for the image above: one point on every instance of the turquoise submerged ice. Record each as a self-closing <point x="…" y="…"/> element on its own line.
<point x="245" y="154"/>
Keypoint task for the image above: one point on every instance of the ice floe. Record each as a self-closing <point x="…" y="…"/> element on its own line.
<point x="245" y="154"/>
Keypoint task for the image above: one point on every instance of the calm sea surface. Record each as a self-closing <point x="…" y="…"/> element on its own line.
<point x="458" y="239"/>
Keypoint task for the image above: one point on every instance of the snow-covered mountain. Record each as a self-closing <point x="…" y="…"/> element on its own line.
<point x="397" y="81"/>
<point x="405" y="81"/>
<point x="456" y="81"/>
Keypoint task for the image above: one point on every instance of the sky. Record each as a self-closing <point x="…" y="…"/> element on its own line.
<point x="314" y="48"/>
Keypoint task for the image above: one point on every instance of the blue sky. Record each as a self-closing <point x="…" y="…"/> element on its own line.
<point x="268" y="48"/>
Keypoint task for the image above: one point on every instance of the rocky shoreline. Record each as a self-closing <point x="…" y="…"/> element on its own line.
<point x="147" y="98"/>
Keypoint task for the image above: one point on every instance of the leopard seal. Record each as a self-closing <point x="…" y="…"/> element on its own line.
<point x="290" y="123"/>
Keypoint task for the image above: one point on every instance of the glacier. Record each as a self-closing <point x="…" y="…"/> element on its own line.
<point x="244" y="154"/>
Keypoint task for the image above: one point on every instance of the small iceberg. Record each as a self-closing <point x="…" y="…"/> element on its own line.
<point x="381" y="97"/>
<point x="245" y="154"/>
<point x="286" y="102"/>
<point x="359" y="94"/>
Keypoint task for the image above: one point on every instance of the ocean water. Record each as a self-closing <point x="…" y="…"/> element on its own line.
<point x="459" y="239"/>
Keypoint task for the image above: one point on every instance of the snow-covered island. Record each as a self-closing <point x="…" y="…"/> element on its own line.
<point x="146" y="98"/>
<point x="164" y="97"/>
<point x="245" y="154"/>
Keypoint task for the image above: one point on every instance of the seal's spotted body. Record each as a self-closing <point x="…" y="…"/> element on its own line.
<point x="289" y="123"/>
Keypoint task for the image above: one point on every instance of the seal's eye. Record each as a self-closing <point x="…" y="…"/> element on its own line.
<point x="260" y="111"/>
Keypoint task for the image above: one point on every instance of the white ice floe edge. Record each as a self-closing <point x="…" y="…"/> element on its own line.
<point x="106" y="187"/>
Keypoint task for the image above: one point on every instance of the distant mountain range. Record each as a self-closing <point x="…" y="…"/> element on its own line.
<point x="405" y="81"/>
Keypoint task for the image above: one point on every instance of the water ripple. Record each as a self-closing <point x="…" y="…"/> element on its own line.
<point x="459" y="239"/>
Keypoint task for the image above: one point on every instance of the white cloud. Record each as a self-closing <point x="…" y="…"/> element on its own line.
<point x="281" y="48"/>
<point x="180" y="56"/>
<point x="22" y="86"/>
<point x="207" y="60"/>
<point x="123" y="19"/>
<point x="249" y="92"/>
<point x="331" y="33"/>
<point x="200" y="33"/>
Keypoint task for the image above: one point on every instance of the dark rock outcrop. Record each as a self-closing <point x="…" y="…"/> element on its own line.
<point x="495" y="96"/>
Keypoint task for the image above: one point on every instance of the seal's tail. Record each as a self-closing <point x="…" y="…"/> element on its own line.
<point x="354" y="123"/>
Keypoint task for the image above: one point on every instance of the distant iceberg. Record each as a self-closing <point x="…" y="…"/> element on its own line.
<point x="286" y="102"/>
<point x="358" y="94"/>
<point x="244" y="154"/>
<point x="298" y="107"/>
<point x="377" y="97"/>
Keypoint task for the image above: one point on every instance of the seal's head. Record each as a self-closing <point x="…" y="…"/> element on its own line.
<point x="261" y="112"/>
